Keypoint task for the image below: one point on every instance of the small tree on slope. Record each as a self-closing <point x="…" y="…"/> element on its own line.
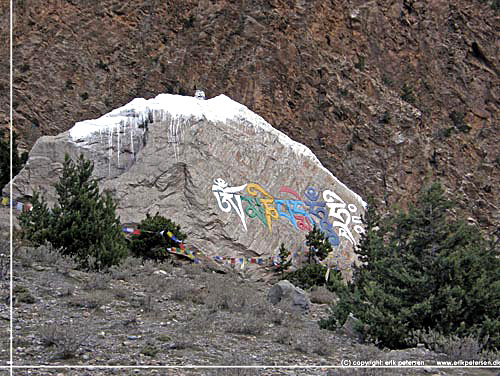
<point x="284" y="263"/>
<point x="318" y="244"/>
<point x="313" y="274"/>
<point x="36" y="224"/>
<point x="83" y="223"/>
<point x="150" y="243"/>
<point x="422" y="271"/>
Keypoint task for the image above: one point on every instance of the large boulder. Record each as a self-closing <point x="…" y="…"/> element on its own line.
<point x="351" y="328"/>
<point x="237" y="186"/>
<point x="286" y="293"/>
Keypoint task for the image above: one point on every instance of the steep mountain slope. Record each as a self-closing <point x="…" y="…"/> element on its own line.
<point x="386" y="95"/>
<point x="4" y="65"/>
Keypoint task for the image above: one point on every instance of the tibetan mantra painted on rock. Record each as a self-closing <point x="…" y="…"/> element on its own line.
<point x="327" y="211"/>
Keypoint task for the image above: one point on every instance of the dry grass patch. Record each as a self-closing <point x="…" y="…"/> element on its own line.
<point x="4" y="259"/>
<point x="91" y="300"/>
<point x="181" y="341"/>
<point x="321" y="295"/>
<point x="147" y="303"/>
<point x="121" y="293"/>
<point x="223" y="293"/>
<point x="181" y="291"/>
<point x="129" y="268"/>
<point x="65" y="339"/>
<point x="283" y="336"/>
<point x="66" y="290"/>
<point x="193" y="270"/>
<point x="246" y="324"/>
<point x="455" y="347"/>
<point x="320" y="343"/>
<point x="150" y="350"/>
<point x="22" y="295"/>
<point x="45" y="255"/>
<point x="97" y="281"/>
<point x="156" y="284"/>
<point x="203" y="321"/>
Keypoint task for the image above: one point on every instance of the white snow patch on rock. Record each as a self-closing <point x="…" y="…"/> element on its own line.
<point x="217" y="109"/>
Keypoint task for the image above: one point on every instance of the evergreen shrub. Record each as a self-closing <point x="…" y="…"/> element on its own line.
<point x="151" y="243"/>
<point x="284" y="262"/>
<point x="313" y="274"/>
<point x="423" y="270"/>
<point x="318" y="244"/>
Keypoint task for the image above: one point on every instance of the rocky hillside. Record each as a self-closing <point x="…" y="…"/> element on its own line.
<point x="386" y="94"/>
<point x="182" y="314"/>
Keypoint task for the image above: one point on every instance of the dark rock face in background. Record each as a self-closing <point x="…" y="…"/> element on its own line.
<point x="237" y="187"/>
<point x="386" y="95"/>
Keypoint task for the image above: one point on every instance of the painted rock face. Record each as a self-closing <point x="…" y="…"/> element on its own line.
<point x="237" y="186"/>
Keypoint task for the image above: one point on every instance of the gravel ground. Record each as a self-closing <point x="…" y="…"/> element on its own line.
<point x="4" y="302"/>
<point x="174" y="315"/>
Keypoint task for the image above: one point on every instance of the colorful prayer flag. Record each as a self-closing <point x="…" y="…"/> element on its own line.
<point x="5" y="201"/>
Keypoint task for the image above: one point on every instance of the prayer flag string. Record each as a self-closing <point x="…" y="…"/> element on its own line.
<point x="272" y="261"/>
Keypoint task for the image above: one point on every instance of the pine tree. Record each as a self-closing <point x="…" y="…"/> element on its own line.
<point x="284" y="262"/>
<point x="422" y="270"/>
<point x="314" y="274"/>
<point x="36" y="224"/>
<point x="83" y="223"/>
<point x="318" y="244"/>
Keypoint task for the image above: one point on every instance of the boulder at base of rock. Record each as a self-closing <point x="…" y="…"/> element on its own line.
<point x="351" y="328"/>
<point x="293" y="296"/>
